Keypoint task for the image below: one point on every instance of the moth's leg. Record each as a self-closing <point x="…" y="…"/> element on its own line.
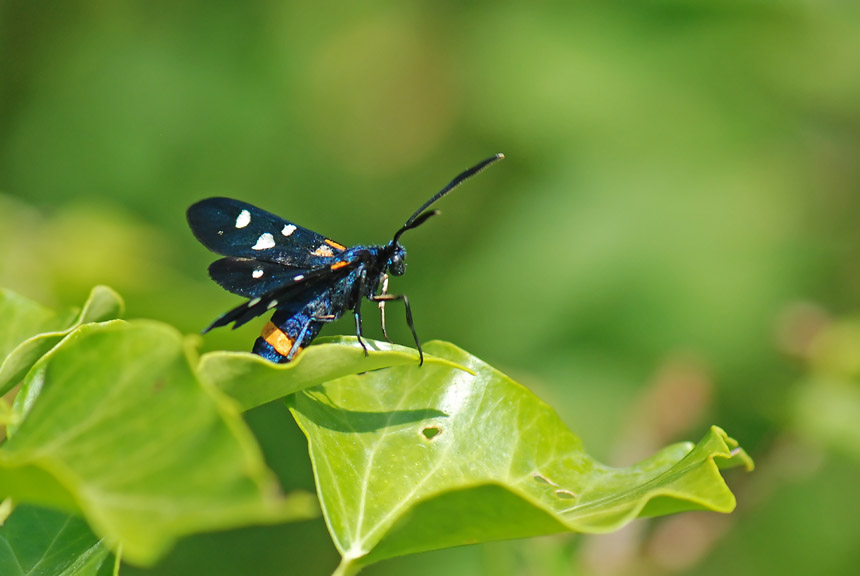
<point x="358" y="328"/>
<point x="382" y="305"/>
<point x="388" y="298"/>
<point x="294" y="349"/>
<point x="357" y="311"/>
<point x="297" y="344"/>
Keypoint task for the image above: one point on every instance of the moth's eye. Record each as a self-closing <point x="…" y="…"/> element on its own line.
<point x="397" y="266"/>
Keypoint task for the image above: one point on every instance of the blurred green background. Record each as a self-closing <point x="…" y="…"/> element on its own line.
<point x="673" y="240"/>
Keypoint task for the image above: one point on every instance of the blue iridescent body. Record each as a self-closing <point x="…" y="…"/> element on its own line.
<point x="302" y="318"/>
<point x="307" y="279"/>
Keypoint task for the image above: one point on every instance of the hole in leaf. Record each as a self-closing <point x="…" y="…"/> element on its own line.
<point x="431" y="432"/>
<point x="565" y="494"/>
<point x="543" y="480"/>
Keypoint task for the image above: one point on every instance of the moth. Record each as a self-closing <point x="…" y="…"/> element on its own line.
<point x="307" y="279"/>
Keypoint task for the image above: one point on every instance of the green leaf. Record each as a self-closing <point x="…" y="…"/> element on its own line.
<point x="411" y="459"/>
<point x="6" y="414"/>
<point x="253" y="381"/>
<point x="41" y="542"/>
<point x="119" y="427"/>
<point x="30" y="330"/>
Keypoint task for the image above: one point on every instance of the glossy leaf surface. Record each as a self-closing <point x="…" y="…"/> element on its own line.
<point x="253" y="381"/>
<point x="41" y="542"/>
<point x="411" y="459"/>
<point x="115" y="424"/>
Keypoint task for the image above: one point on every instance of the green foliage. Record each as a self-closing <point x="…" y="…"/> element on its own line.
<point x="682" y="178"/>
<point x="41" y="542"/>
<point x="252" y="381"/>
<point x="30" y="330"/>
<point x="412" y="459"/>
<point x="114" y="424"/>
<point x="121" y="423"/>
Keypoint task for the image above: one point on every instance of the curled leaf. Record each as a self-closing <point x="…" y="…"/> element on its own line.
<point x="252" y="380"/>
<point x="30" y="330"/>
<point x="411" y="459"/>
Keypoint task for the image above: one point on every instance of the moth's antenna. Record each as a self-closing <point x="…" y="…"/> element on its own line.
<point x="419" y="217"/>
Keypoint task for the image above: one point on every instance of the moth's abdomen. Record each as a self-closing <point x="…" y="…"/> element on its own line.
<point x="274" y="344"/>
<point x="277" y="341"/>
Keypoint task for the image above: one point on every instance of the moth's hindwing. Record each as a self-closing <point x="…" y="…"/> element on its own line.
<point x="252" y="278"/>
<point x="293" y="295"/>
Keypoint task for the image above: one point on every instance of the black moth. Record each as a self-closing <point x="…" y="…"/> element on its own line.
<point x="307" y="279"/>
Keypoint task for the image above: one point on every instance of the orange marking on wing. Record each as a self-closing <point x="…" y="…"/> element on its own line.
<point x="334" y="244"/>
<point x="323" y="251"/>
<point x="278" y="339"/>
<point x="340" y="264"/>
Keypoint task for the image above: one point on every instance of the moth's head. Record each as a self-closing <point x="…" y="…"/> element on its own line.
<point x="396" y="259"/>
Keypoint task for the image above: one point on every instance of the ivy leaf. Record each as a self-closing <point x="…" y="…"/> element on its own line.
<point x="117" y="425"/>
<point x="30" y="330"/>
<point x="6" y="414"/>
<point x="411" y="459"/>
<point x="42" y="542"/>
<point x="253" y="381"/>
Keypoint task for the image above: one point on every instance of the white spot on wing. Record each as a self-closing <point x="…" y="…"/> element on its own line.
<point x="254" y="302"/>
<point x="288" y="229"/>
<point x="264" y="242"/>
<point x="243" y="219"/>
<point x="298" y="277"/>
<point x="271" y="304"/>
<point x="258" y="273"/>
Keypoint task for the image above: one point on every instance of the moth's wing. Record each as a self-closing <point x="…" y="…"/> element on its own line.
<point x="238" y="229"/>
<point x="252" y="278"/>
<point x="304" y="290"/>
